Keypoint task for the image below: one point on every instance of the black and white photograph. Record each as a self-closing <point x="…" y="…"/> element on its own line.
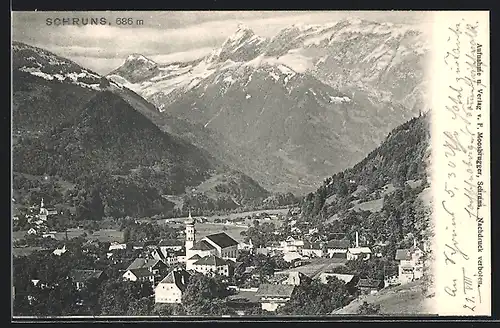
<point x="249" y="164"/>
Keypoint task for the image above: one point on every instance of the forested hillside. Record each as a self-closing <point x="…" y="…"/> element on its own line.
<point x="385" y="197"/>
<point x="85" y="146"/>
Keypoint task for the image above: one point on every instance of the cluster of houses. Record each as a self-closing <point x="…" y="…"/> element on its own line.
<point x="169" y="265"/>
<point x="295" y="251"/>
<point x="38" y="221"/>
<point x="217" y="253"/>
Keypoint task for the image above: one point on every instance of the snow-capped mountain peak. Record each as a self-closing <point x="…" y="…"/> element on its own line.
<point x="48" y="66"/>
<point x="139" y="58"/>
<point x="243" y="32"/>
<point x="136" y="67"/>
<point x="241" y="46"/>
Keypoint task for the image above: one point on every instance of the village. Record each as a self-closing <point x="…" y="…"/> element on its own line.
<point x="168" y="265"/>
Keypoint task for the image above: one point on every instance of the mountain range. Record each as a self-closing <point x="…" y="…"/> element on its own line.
<point x="71" y="124"/>
<point x="292" y="109"/>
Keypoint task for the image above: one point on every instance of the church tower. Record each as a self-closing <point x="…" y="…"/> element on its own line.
<point x="190" y="233"/>
<point x="43" y="212"/>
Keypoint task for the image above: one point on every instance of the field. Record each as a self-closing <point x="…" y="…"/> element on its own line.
<point x="234" y="216"/>
<point x="25" y="251"/>
<point x="399" y="300"/>
<point x="101" y="235"/>
<point x="317" y="266"/>
<point x="17" y="235"/>
<point x="372" y="205"/>
<point x="105" y="235"/>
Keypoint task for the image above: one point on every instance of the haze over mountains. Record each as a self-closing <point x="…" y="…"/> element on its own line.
<point x="293" y="109"/>
<point x="254" y="116"/>
<point x="72" y="125"/>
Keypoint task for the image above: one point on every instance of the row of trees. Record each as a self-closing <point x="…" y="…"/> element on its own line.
<point x="265" y="267"/>
<point x="141" y="232"/>
<point x="261" y="234"/>
<point x="315" y="298"/>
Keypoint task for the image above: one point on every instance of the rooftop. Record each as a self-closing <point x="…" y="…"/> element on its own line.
<point x="347" y="278"/>
<point x="369" y="283"/>
<point x="269" y="290"/>
<point x="202" y="245"/>
<point x="142" y="263"/>
<point x="194" y="257"/>
<point x="177" y="277"/>
<point x="338" y="243"/>
<point x="84" y="275"/>
<point x="141" y="272"/>
<point x="403" y="254"/>
<point x="170" y="242"/>
<point x="211" y="260"/>
<point x="222" y="239"/>
<point x="309" y="245"/>
<point x="359" y="250"/>
<point x="244" y="296"/>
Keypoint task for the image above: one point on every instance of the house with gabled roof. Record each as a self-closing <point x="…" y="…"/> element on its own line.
<point x="171" y="288"/>
<point x="212" y="264"/>
<point x="190" y="261"/>
<point x="166" y="255"/>
<point x="81" y="277"/>
<point x="139" y="274"/>
<point x="411" y="265"/>
<point x="170" y="244"/>
<point x="349" y="280"/>
<point x="272" y="296"/>
<point x="337" y="248"/>
<point x="291" y="244"/>
<point x="60" y="251"/>
<point x="369" y="286"/>
<point x="313" y="249"/>
<point x="346" y="278"/>
<point x="355" y="253"/>
<point x="117" y="246"/>
<point x="153" y="265"/>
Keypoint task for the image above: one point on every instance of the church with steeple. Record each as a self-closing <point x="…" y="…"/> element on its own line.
<point x="218" y="248"/>
<point x="45" y="212"/>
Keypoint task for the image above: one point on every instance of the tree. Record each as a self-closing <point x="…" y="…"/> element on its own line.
<point x="206" y="295"/>
<point x="120" y="297"/>
<point x="165" y="310"/>
<point x="315" y="298"/>
<point x="140" y="307"/>
<point x="369" y="309"/>
<point x="126" y="235"/>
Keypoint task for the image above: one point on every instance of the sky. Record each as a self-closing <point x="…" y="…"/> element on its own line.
<point x="166" y="36"/>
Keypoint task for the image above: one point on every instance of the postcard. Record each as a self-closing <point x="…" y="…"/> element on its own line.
<point x="246" y="164"/>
